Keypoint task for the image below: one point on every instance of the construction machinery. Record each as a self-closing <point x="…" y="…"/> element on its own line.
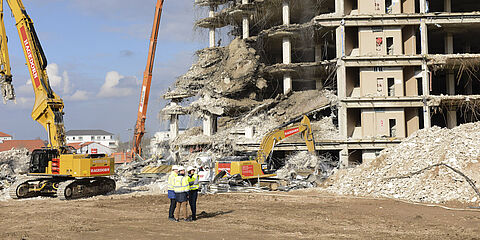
<point x="53" y="170"/>
<point x="139" y="131"/>
<point x="262" y="166"/>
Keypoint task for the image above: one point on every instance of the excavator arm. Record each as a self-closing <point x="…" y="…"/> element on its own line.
<point x="147" y="81"/>
<point x="276" y="136"/>
<point x="48" y="107"/>
<point x="8" y="92"/>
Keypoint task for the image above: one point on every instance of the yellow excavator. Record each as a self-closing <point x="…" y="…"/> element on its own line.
<point x="53" y="170"/>
<point x="261" y="166"/>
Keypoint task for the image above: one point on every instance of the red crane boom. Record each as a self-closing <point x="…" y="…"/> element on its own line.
<point x="147" y="81"/>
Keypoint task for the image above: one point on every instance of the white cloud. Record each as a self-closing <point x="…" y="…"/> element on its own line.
<point x="116" y="85"/>
<point x="57" y="80"/>
<point x="27" y="88"/>
<point x="79" y="95"/>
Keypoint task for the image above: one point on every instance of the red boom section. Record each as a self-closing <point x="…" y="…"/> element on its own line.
<point x="147" y="81"/>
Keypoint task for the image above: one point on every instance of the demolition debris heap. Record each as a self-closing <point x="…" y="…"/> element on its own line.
<point x="432" y="165"/>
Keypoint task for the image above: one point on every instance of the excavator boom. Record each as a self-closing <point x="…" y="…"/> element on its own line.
<point x="48" y="107"/>
<point x="147" y="81"/>
<point x="8" y="92"/>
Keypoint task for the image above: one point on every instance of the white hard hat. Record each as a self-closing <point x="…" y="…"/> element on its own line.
<point x="174" y="167"/>
<point x="180" y="168"/>
<point x="190" y="168"/>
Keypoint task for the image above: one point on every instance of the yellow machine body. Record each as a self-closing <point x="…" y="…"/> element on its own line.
<point x="248" y="169"/>
<point x="79" y="165"/>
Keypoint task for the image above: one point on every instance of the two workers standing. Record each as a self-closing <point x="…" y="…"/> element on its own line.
<point x="182" y="186"/>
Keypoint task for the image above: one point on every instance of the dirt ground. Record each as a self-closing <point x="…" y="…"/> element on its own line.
<point x="294" y="215"/>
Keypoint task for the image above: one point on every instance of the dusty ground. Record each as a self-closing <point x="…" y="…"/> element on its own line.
<point x="295" y="215"/>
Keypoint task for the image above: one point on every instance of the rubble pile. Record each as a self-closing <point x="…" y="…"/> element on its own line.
<point x="406" y="171"/>
<point x="264" y="118"/>
<point x="305" y="170"/>
<point x="13" y="163"/>
<point x="129" y="178"/>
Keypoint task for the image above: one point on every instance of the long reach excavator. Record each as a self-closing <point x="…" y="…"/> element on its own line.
<point x="54" y="170"/>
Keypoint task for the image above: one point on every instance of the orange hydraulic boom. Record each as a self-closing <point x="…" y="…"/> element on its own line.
<point x="147" y="81"/>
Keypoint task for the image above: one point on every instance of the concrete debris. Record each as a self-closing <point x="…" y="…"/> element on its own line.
<point x="13" y="164"/>
<point x="390" y="174"/>
<point x="222" y="72"/>
<point x="129" y="178"/>
<point x="306" y="170"/>
<point x="265" y="117"/>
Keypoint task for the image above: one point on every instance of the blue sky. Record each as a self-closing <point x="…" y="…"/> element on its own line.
<point x="97" y="51"/>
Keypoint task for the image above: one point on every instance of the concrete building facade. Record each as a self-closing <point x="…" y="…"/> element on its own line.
<point x="399" y="65"/>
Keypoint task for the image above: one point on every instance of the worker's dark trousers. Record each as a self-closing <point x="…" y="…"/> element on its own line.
<point x="192" y="200"/>
<point x="173" y="204"/>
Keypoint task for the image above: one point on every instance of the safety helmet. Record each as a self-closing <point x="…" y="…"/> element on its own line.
<point x="190" y="168"/>
<point x="181" y="168"/>
<point x="175" y="167"/>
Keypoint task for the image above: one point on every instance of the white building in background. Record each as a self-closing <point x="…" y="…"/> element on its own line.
<point x="98" y="136"/>
<point x="4" y="137"/>
<point x="91" y="148"/>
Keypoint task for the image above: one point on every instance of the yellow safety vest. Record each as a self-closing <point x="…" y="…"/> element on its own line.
<point x="193" y="182"/>
<point x="171" y="180"/>
<point x="180" y="184"/>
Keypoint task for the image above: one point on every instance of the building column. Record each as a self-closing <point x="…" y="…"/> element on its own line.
<point x="423" y="6"/>
<point x="173" y="126"/>
<point x="287" y="83"/>
<point x="287" y="52"/>
<point x="343" y="158"/>
<point x="451" y="113"/>
<point x="286" y="12"/>
<point x="426" y="92"/>
<point x="424" y="37"/>
<point x="286" y="48"/>
<point x="209" y="125"/>
<point x="340" y="41"/>
<point x="246" y="27"/>
<point x="447" y="5"/>
<point x="318" y="52"/>
<point x="340" y="7"/>
<point x="342" y="120"/>
<point x="211" y="30"/>
<point x="245" y="23"/>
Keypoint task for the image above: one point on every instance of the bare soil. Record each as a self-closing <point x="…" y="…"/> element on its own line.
<point x="294" y="215"/>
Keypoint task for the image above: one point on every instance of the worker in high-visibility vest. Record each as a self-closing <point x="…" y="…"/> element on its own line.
<point x="171" y="193"/>
<point x="193" y="192"/>
<point x="181" y="187"/>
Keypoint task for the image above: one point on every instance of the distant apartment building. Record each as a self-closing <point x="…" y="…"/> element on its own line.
<point x="4" y="136"/>
<point x="98" y="136"/>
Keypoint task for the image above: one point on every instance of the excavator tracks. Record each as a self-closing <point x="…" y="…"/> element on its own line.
<point x="64" y="189"/>
<point x="82" y="188"/>
<point x="21" y="189"/>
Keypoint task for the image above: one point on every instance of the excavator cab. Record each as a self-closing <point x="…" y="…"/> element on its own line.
<point x="40" y="158"/>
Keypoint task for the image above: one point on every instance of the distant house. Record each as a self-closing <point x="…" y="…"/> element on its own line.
<point x="91" y="148"/>
<point x="98" y="136"/>
<point x="4" y="136"/>
<point x="30" y="145"/>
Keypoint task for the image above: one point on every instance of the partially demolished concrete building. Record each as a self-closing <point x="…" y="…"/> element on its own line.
<point x="368" y="72"/>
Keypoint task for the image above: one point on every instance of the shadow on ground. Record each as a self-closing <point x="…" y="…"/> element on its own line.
<point x="204" y="214"/>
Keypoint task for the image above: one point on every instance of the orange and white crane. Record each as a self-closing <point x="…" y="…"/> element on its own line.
<point x="139" y="131"/>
